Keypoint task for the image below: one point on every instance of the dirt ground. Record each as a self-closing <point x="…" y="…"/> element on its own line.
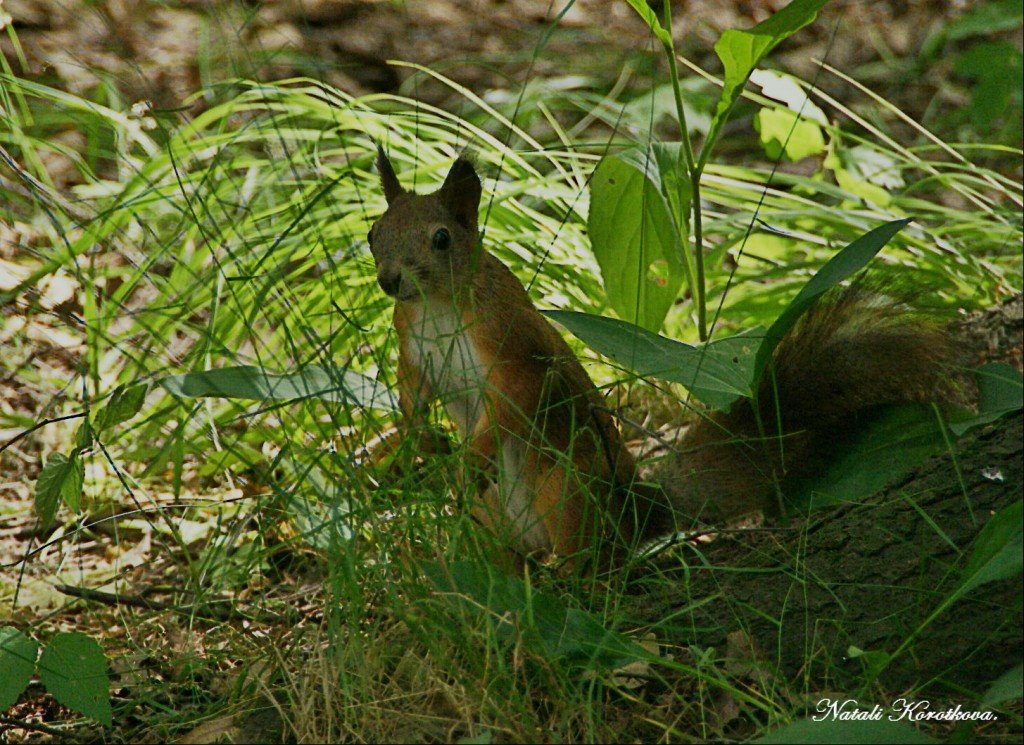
<point x="165" y="52"/>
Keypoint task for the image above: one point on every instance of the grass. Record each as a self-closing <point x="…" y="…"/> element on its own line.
<point x="238" y="238"/>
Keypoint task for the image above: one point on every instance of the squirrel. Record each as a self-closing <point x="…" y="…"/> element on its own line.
<point x="552" y="476"/>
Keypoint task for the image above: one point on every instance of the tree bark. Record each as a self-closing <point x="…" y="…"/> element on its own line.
<point x="868" y="576"/>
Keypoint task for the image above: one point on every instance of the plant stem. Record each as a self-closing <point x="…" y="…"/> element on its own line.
<point x="694" y="171"/>
<point x="673" y="72"/>
<point x="698" y="244"/>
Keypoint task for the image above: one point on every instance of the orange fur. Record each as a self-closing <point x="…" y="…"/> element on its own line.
<point x="550" y="472"/>
<point x="552" y="467"/>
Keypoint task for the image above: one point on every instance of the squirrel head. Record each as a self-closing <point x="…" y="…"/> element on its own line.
<point x="426" y="245"/>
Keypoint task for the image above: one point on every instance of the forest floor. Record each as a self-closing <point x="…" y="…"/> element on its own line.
<point x="165" y="53"/>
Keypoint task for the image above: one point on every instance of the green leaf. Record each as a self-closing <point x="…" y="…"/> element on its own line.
<point x="123" y="404"/>
<point x="850" y="176"/>
<point x="717" y="373"/>
<point x="786" y="89"/>
<point x="659" y="105"/>
<point x="873" y="166"/>
<point x="321" y="525"/>
<point x="998" y="551"/>
<point x="17" y="661"/>
<point x="635" y="237"/>
<point x="782" y="133"/>
<point x="997" y="68"/>
<point x="74" y="669"/>
<point x="61" y="479"/>
<point x="323" y="518"/>
<point x="1008" y="687"/>
<point x="644" y="10"/>
<point x="568" y="634"/>
<point x="870" y="455"/>
<point x="845" y="263"/>
<point x="1000" y="392"/>
<point x="675" y="185"/>
<point x="83" y="437"/>
<point x="772" y="247"/>
<point x="794" y="131"/>
<point x="312" y="381"/>
<point x="874" y="195"/>
<point x="988" y="18"/>
<point x="874" y="661"/>
<point x="486" y="737"/>
<point x="741" y="51"/>
<point x="677" y="190"/>
<point x="1000" y="388"/>
<point x="882" y="731"/>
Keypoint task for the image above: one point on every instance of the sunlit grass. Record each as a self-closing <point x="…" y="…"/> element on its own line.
<point x="238" y="238"/>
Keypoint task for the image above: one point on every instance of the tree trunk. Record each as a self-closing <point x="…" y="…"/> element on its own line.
<point x="868" y="576"/>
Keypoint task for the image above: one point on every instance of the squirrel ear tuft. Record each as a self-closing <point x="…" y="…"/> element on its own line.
<point x="461" y="192"/>
<point x="388" y="179"/>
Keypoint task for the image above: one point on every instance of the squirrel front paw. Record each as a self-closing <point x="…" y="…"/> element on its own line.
<point x="399" y="450"/>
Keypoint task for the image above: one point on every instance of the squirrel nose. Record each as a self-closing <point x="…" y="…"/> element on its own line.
<point x="389" y="282"/>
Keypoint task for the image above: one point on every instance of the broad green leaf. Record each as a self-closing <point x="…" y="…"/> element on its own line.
<point x="829" y="730"/>
<point x="678" y="192"/>
<point x="782" y="133"/>
<point x="644" y="10"/>
<point x="1000" y="391"/>
<point x="867" y="191"/>
<point x="741" y="51"/>
<point x="785" y="89"/>
<point x="771" y="246"/>
<point x="634" y="236"/>
<point x="1008" y="687"/>
<point x="83" y="437"/>
<point x="1000" y="388"/>
<point x="61" y="479"/>
<point x="74" y="669"/>
<point x="717" y="373"/>
<point x="848" y="176"/>
<point x="845" y="263"/>
<point x="123" y="404"/>
<point x="17" y="661"/>
<point x="875" y="453"/>
<point x="795" y="131"/>
<point x="675" y="184"/>
<point x="568" y="634"/>
<point x="870" y="193"/>
<point x="874" y="166"/>
<point x="998" y="551"/>
<point x="313" y="381"/>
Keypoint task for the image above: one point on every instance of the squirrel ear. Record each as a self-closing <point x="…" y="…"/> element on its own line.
<point x="461" y="192"/>
<point x="388" y="179"/>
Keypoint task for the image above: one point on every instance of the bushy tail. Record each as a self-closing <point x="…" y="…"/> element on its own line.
<point x="857" y="349"/>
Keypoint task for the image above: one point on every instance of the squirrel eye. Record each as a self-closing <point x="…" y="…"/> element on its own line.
<point x="442" y="240"/>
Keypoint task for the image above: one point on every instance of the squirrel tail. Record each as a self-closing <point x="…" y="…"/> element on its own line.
<point x="856" y="350"/>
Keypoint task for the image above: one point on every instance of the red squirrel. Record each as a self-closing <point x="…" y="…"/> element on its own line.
<point x="552" y="476"/>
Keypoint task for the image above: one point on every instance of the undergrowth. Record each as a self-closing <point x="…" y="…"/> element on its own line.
<point x="236" y="239"/>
